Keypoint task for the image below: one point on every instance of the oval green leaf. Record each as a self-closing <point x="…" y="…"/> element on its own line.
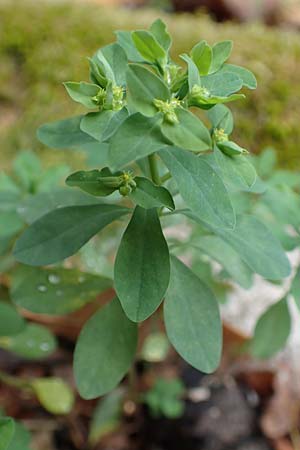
<point x="148" y="195"/>
<point x="54" y="395"/>
<point x="11" y="322"/>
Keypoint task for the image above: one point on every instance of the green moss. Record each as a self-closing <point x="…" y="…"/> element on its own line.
<point x="43" y="44"/>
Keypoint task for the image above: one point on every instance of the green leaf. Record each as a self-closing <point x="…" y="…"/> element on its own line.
<point x="95" y="123"/>
<point x="222" y="252"/>
<point x="7" y="430"/>
<point x="104" y="351"/>
<point x="295" y="288"/>
<point x="143" y="87"/>
<point x="159" y="30"/>
<point x="10" y="224"/>
<point x="164" y="398"/>
<point x="35" y="342"/>
<point x="148" y="195"/>
<point x="192" y="319"/>
<point x="54" y="394"/>
<point x="36" y="206"/>
<point x="237" y="171"/>
<point x="193" y="72"/>
<point x="65" y="134"/>
<point x="155" y="347"/>
<point x="266" y="162"/>
<point x="222" y="84"/>
<point x="124" y="39"/>
<point x="7" y="184"/>
<point x="21" y="439"/>
<point x="52" y="177"/>
<point x="11" y="322"/>
<point x="221" y="117"/>
<point x="148" y="47"/>
<point x="82" y="93"/>
<point x="9" y="201"/>
<point x="220" y="53"/>
<point x="257" y="246"/>
<point x="137" y="137"/>
<point x="189" y="133"/>
<point x="200" y="187"/>
<point x="117" y="60"/>
<point x="107" y="416"/>
<point x="57" y="291"/>
<point x="116" y="120"/>
<point x="284" y="204"/>
<point x="245" y="75"/>
<point x="62" y="232"/>
<point x="142" y="268"/>
<point x="27" y="167"/>
<point x="272" y="330"/>
<point x="93" y="181"/>
<point x="202" y="56"/>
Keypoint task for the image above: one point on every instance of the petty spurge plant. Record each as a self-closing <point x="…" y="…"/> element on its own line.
<point x="160" y="134"/>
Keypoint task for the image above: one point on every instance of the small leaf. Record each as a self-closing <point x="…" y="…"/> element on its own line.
<point x="142" y="268"/>
<point x="221" y="117"/>
<point x="35" y="342"/>
<point x="93" y="181"/>
<point x="193" y="72"/>
<point x="27" y="167"/>
<point x="104" y="351"/>
<point x="95" y="123"/>
<point x="56" y="291"/>
<point x="65" y="134"/>
<point x="107" y="416"/>
<point x="82" y="93"/>
<point x="272" y="330"/>
<point x="164" y="398"/>
<point x="54" y="395"/>
<point x="148" y="47"/>
<point x="137" y="137"/>
<point x="192" y="319"/>
<point x="11" y="322"/>
<point x="148" y="195"/>
<point x="155" y="348"/>
<point x="200" y="187"/>
<point x="202" y="56"/>
<point x="7" y="430"/>
<point x="10" y="224"/>
<point x="220" y="53"/>
<point x="189" y="133"/>
<point x="116" y="57"/>
<point x="143" y="87"/>
<point x="159" y="31"/>
<point x="222" y="252"/>
<point x="245" y="75"/>
<point x="62" y="232"/>
<point x="222" y="84"/>
<point x="124" y="39"/>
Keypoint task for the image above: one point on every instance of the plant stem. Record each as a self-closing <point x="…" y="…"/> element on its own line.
<point x="165" y="177"/>
<point x="154" y="169"/>
<point x="14" y="381"/>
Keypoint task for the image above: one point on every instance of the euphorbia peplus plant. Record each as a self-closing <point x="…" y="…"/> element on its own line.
<point x="152" y="150"/>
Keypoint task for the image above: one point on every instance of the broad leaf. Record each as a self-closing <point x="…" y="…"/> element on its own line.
<point x="222" y="84"/>
<point x="116" y="57"/>
<point x="142" y="267"/>
<point x="7" y="430"/>
<point x="95" y="123"/>
<point x="200" y="187"/>
<point x="148" y="46"/>
<point x="104" y="351"/>
<point x="159" y="31"/>
<point x="116" y="120"/>
<point x="220" y="53"/>
<point x="65" y="134"/>
<point x="189" y="133"/>
<point x="221" y="117"/>
<point x="272" y="330"/>
<point x="11" y="322"/>
<point x="222" y="252"/>
<point x="202" y="56"/>
<point x="34" y="342"/>
<point x="137" y="137"/>
<point x="143" y="87"/>
<point x="192" y="319"/>
<point x="257" y="247"/>
<point x="124" y="39"/>
<point x="57" y="291"/>
<point x="62" y="232"/>
<point x="54" y="395"/>
<point x="82" y="93"/>
<point x="245" y="75"/>
<point x="237" y="171"/>
<point x="148" y="195"/>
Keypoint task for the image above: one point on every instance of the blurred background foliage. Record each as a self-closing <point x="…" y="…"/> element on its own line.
<point x="45" y="43"/>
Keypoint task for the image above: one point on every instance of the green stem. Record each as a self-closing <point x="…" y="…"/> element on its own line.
<point x="154" y="169"/>
<point x="165" y="177"/>
<point x="14" y="381"/>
